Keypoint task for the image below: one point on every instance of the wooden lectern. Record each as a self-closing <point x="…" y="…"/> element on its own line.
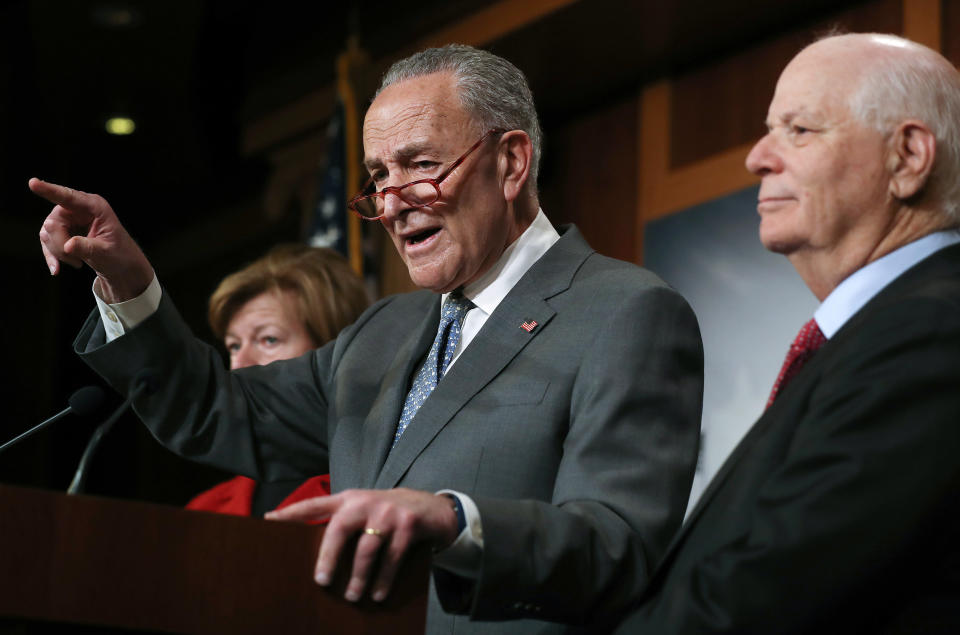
<point x="129" y="565"/>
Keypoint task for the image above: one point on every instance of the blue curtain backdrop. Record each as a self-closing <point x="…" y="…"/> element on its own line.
<point x="750" y="304"/>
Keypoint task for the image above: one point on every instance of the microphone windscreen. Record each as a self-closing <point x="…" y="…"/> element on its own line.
<point x="86" y="400"/>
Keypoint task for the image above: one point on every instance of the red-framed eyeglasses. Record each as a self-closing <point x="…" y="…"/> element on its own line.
<point x="370" y="205"/>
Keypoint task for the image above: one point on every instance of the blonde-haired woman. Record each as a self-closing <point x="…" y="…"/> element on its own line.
<point x="290" y="301"/>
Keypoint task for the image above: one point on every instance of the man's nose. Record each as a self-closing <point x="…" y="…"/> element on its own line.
<point x="393" y="205"/>
<point x="763" y="157"/>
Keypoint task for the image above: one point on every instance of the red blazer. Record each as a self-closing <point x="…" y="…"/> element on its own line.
<point x="236" y="495"/>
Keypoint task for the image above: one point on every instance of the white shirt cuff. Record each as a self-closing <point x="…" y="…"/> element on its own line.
<point x="121" y="317"/>
<point x="464" y="554"/>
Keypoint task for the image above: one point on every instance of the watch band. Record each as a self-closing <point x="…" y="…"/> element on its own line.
<point x="458" y="510"/>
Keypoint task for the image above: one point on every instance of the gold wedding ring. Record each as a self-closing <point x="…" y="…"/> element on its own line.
<point x="370" y="531"/>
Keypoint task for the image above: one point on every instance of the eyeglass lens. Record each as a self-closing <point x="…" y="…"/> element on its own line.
<point x="413" y="194"/>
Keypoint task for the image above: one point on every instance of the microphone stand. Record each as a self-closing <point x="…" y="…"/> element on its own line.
<point x="80" y="476"/>
<point x="144" y="381"/>
<point x="37" y="428"/>
<point x="82" y="402"/>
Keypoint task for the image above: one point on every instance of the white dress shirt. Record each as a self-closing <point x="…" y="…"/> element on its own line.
<point x="492" y="287"/>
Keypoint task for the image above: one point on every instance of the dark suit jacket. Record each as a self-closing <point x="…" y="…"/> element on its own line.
<point x="838" y="512"/>
<point x="577" y="440"/>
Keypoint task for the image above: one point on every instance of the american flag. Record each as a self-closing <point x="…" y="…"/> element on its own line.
<point x="329" y="224"/>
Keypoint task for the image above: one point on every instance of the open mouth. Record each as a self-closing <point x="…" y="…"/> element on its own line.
<point x="422" y="236"/>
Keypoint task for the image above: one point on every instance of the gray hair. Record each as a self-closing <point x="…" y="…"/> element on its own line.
<point x="919" y="85"/>
<point x="491" y="89"/>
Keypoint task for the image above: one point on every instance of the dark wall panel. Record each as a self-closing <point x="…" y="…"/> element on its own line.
<point x="950" y="30"/>
<point x="724" y="105"/>
<point x="590" y="178"/>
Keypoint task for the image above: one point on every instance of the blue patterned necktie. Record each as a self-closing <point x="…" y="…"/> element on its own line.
<point x="438" y="359"/>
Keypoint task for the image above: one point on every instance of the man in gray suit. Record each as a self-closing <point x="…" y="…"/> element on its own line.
<point x="533" y="413"/>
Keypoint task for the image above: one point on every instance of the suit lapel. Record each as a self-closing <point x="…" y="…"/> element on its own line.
<point x="486" y="356"/>
<point x="381" y="422"/>
<point x="775" y="413"/>
<point x="502" y="337"/>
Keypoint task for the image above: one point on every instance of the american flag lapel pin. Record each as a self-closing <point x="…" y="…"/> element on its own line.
<point x="529" y="325"/>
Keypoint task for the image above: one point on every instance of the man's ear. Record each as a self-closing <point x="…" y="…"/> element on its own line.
<point x="516" y="155"/>
<point x="912" y="152"/>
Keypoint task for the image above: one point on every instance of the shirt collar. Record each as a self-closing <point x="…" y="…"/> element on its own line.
<point x="493" y="286"/>
<point x="861" y="286"/>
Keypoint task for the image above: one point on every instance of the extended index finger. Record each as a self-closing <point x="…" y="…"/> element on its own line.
<point x="61" y="195"/>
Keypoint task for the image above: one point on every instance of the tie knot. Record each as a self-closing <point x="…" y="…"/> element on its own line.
<point x="809" y="339"/>
<point x="454" y="308"/>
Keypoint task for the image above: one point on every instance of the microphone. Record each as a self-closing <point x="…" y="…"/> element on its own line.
<point x="145" y="381"/>
<point x="84" y="401"/>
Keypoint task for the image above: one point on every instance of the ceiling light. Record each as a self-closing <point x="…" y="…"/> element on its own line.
<point x="116" y="16"/>
<point x="120" y="125"/>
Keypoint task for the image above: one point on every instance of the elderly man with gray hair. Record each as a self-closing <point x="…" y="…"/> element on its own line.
<point x="533" y="413"/>
<point x="839" y="511"/>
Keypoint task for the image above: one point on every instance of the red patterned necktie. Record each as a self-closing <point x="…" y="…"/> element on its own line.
<point x="808" y="340"/>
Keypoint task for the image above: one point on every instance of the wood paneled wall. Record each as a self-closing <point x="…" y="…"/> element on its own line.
<point x="589" y="172"/>
<point x="678" y="141"/>
<point x="724" y="105"/>
<point x="715" y="113"/>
